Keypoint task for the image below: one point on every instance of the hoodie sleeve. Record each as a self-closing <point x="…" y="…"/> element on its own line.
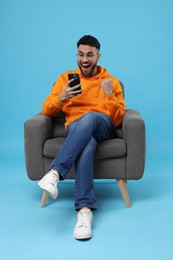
<point x="52" y="104"/>
<point x="115" y="103"/>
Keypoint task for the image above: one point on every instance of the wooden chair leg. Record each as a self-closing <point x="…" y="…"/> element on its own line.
<point x="124" y="191"/>
<point x="44" y="199"/>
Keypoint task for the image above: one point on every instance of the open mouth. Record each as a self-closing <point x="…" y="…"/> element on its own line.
<point x="85" y="66"/>
<point x="86" y="69"/>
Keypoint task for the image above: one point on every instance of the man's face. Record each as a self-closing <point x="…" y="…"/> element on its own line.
<point x="87" y="58"/>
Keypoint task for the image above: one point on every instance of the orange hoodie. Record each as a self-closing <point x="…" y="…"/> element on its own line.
<point x="92" y="98"/>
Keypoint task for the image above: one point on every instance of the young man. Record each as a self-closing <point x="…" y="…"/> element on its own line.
<point x="91" y="115"/>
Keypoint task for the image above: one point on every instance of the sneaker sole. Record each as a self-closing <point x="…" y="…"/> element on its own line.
<point x="78" y="237"/>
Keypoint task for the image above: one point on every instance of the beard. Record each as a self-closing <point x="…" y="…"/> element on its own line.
<point x="88" y="70"/>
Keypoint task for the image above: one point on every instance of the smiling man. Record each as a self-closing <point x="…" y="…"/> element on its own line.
<point x="93" y="108"/>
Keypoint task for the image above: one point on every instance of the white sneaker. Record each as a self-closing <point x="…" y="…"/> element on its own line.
<point x="83" y="229"/>
<point x="49" y="183"/>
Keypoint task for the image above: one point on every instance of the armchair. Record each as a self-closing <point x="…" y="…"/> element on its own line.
<point x="121" y="158"/>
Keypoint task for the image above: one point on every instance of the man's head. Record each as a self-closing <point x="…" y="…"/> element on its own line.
<point x="88" y="55"/>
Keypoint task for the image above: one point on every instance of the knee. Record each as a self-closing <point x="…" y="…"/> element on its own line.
<point x="88" y="122"/>
<point x="89" y="117"/>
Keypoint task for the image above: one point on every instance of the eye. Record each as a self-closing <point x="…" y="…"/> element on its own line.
<point x="90" y="54"/>
<point x="80" y="54"/>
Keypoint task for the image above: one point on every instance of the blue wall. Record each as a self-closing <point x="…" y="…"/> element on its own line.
<point x="38" y="42"/>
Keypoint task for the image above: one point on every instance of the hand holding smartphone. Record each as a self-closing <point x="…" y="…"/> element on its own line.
<point x="65" y="95"/>
<point x="76" y="80"/>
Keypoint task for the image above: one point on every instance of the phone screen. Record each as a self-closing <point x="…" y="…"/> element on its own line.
<point x="76" y="80"/>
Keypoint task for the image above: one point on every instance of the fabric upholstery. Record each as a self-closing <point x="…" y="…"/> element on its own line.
<point x="105" y="149"/>
<point x="121" y="157"/>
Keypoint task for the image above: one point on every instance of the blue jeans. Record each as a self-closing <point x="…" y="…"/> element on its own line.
<point x="79" y="147"/>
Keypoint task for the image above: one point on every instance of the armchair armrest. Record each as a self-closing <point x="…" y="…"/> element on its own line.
<point x="36" y="131"/>
<point x="133" y="128"/>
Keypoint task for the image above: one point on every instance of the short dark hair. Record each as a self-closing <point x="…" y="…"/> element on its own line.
<point x="89" y="40"/>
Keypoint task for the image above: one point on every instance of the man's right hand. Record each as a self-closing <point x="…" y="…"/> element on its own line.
<point x="69" y="92"/>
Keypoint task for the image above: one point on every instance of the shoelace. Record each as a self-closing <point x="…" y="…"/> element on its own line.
<point x="55" y="179"/>
<point x="84" y="218"/>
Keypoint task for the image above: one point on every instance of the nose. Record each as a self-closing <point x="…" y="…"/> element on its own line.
<point x="85" y="58"/>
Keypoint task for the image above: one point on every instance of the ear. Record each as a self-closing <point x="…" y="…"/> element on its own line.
<point x="99" y="56"/>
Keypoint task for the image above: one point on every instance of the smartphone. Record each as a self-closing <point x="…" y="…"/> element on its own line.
<point x="76" y="80"/>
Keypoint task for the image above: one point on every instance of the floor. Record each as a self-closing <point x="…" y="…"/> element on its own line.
<point x="143" y="231"/>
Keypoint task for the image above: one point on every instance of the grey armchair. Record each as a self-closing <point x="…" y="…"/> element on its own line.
<point x="121" y="158"/>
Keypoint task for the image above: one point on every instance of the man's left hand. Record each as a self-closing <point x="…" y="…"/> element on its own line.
<point x="107" y="86"/>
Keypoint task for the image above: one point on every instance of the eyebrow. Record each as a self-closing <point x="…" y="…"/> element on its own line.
<point x="86" y="52"/>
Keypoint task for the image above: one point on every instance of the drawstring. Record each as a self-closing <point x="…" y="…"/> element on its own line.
<point x="98" y="87"/>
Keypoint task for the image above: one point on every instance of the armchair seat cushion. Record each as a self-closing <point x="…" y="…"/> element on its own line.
<point x="113" y="148"/>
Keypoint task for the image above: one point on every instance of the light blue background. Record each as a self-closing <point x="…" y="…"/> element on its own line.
<point x="38" y="42"/>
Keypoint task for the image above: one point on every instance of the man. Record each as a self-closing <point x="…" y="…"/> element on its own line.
<point x="91" y="114"/>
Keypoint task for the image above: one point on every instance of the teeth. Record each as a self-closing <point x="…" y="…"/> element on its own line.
<point x="86" y="66"/>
